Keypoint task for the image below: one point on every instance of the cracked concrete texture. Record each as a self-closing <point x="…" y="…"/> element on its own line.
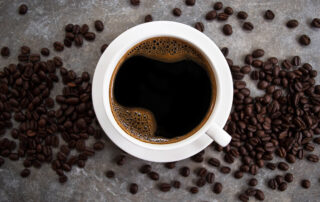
<point x="44" y="24"/>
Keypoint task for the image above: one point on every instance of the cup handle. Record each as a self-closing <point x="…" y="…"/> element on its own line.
<point x="219" y="135"/>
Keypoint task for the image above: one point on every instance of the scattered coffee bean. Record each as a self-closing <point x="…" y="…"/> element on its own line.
<point x="253" y="182"/>
<point x="202" y="172"/>
<point x="288" y="177"/>
<point x="153" y="175"/>
<point x="313" y="158"/>
<point x="222" y="16"/>
<point x="98" y="24"/>
<point x="315" y="23"/>
<point x="110" y="174"/>
<point x="58" y="46"/>
<point x="145" y="169"/>
<point x="292" y="23"/>
<point x="177" y="12"/>
<point x="247" y="26"/>
<point x="214" y="162"/>
<point x="259" y="195"/>
<point x="218" y="5"/>
<point x="164" y="187"/>
<point x="148" y="18"/>
<point x="201" y="182"/>
<point x="296" y="61"/>
<point x="243" y="197"/>
<point x="170" y="165"/>
<point x="238" y="174"/>
<point x="228" y="10"/>
<point x="217" y="188"/>
<point x="133" y="188"/>
<point x="25" y="172"/>
<point x="23" y="9"/>
<point x="45" y="52"/>
<point x="225" y="51"/>
<point x="103" y="47"/>
<point x="190" y="2"/>
<point x="283" y="166"/>
<point x="211" y="15"/>
<point x="176" y="184"/>
<point x="199" y="26"/>
<point x="272" y="183"/>
<point x="269" y="15"/>
<point x="185" y="171"/>
<point x="85" y="28"/>
<point x="227" y="29"/>
<point x="282" y="186"/>
<point x="89" y="36"/>
<point x="210" y="177"/>
<point x="242" y="15"/>
<point x="5" y="51"/>
<point x="257" y="53"/>
<point x="194" y="190"/>
<point x="120" y="160"/>
<point x="135" y="2"/>
<point x="225" y="170"/>
<point x="305" y="184"/>
<point x="304" y="40"/>
<point x="63" y="179"/>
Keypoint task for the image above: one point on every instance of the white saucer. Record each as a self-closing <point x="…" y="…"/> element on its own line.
<point x="171" y="154"/>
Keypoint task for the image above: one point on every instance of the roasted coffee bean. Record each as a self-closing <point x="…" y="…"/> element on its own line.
<point x="225" y="170"/>
<point x="133" y="188"/>
<point x="78" y="41"/>
<point x="292" y="23"/>
<point x="185" y="171"/>
<point x="67" y="42"/>
<point x="153" y="175"/>
<point x="164" y="187"/>
<point x="5" y="52"/>
<point x="227" y="29"/>
<point x="296" y="61"/>
<point x="218" y="5"/>
<point x="25" y="172"/>
<point x="194" y="190"/>
<point x="89" y="36"/>
<point x="238" y="174"/>
<point x="305" y="184"/>
<point x="313" y="158"/>
<point x="103" y="47"/>
<point x="259" y="195"/>
<point x="120" y="160"/>
<point x="283" y="166"/>
<point x="217" y="188"/>
<point x="253" y="182"/>
<point x="98" y="24"/>
<point x="58" y="46"/>
<point x="201" y="182"/>
<point x="257" y="53"/>
<point x="269" y="15"/>
<point x="199" y="26"/>
<point x="69" y="28"/>
<point x="23" y="9"/>
<point x="279" y="179"/>
<point x="210" y="177"/>
<point x="304" y="40"/>
<point x="177" y="12"/>
<point x="222" y="16"/>
<point x="225" y="51"/>
<point x="45" y="52"/>
<point x="190" y="2"/>
<point x="243" y="197"/>
<point x="135" y="2"/>
<point x="282" y="186"/>
<point x="272" y="183"/>
<point x="247" y="26"/>
<point x="242" y="15"/>
<point x="288" y="177"/>
<point x="63" y="179"/>
<point x="315" y="23"/>
<point x="99" y="145"/>
<point x="202" y="172"/>
<point x="148" y="18"/>
<point x="85" y="28"/>
<point x="228" y="10"/>
<point x="145" y="169"/>
<point x="253" y="169"/>
<point x="245" y="69"/>
<point x="176" y="184"/>
<point x="290" y="158"/>
<point x="170" y="165"/>
<point x="110" y="174"/>
<point x="211" y="15"/>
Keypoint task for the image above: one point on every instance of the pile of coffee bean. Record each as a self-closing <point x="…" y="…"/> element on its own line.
<point x="75" y="33"/>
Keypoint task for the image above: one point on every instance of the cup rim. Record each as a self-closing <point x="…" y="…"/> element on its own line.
<point x="125" y="41"/>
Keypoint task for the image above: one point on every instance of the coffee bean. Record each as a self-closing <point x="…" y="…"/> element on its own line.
<point x="202" y="172"/>
<point x="164" y="187"/>
<point x="176" y="184"/>
<point x="98" y="24"/>
<point x="170" y="165"/>
<point x="185" y="171"/>
<point x="262" y="85"/>
<point x="45" y="52"/>
<point x="133" y="188"/>
<point x="25" y="172"/>
<point x="243" y="197"/>
<point x="283" y="186"/>
<point x="259" y="195"/>
<point x="135" y="2"/>
<point x="222" y="16"/>
<point x="269" y="15"/>
<point x="210" y="177"/>
<point x="23" y="9"/>
<point x="58" y="46"/>
<point x="279" y="179"/>
<point x="120" y="160"/>
<point x="218" y="5"/>
<point x="211" y="15"/>
<point x="194" y="190"/>
<point x="69" y="28"/>
<point x="228" y="10"/>
<point x="257" y="53"/>
<point x="272" y="183"/>
<point x="63" y="179"/>
<point x="296" y="61"/>
<point x="292" y="23"/>
<point x="225" y="170"/>
<point x="242" y="15"/>
<point x="305" y="184"/>
<point x="313" y="158"/>
<point x="238" y="174"/>
<point x="103" y="47"/>
<point x="89" y="36"/>
<point x="190" y="2"/>
<point x="153" y="175"/>
<point x="283" y="166"/>
<point x="217" y="188"/>
<point x="85" y="28"/>
<point x="245" y="69"/>
<point x="225" y="51"/>
<point x="315" y="23"/>
<point x="145" y="169"/>
<point x="290" y="158"/>
<point x="148" y="18"/>
<point x="199" y="26"/>
<point x="110" y="174"/>
<point x="201" y="182"/>
<point x="288" y="177"/>
<point x="253" y="182"/>
<point x="99" y="145"/>
<point x="304" y="40"/>
<point x="227" y="29"/>
<point x="5" y="52"/>
<point x="247" y="26"/>
<point x="177" y="12"/>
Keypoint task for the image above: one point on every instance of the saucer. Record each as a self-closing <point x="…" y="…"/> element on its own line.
<point x="149" y="154"/>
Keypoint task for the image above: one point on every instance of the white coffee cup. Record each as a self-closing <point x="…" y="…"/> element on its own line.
<point x="213" y="127"/>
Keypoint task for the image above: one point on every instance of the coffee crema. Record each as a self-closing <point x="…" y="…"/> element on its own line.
<point x="162" y="90"/>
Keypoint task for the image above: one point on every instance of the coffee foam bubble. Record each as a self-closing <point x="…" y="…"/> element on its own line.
<point x="140" y="123"/>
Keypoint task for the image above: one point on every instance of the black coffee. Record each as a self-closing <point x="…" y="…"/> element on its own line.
<point x="162" y="97"/>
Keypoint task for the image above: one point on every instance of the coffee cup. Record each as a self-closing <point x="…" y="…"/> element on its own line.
<point x="211" y="127"/>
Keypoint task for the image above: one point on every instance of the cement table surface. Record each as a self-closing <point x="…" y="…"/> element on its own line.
<point x="44" y="24"/>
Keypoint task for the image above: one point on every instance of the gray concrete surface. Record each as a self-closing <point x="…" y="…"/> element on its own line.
<point x="44" y="23"/>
